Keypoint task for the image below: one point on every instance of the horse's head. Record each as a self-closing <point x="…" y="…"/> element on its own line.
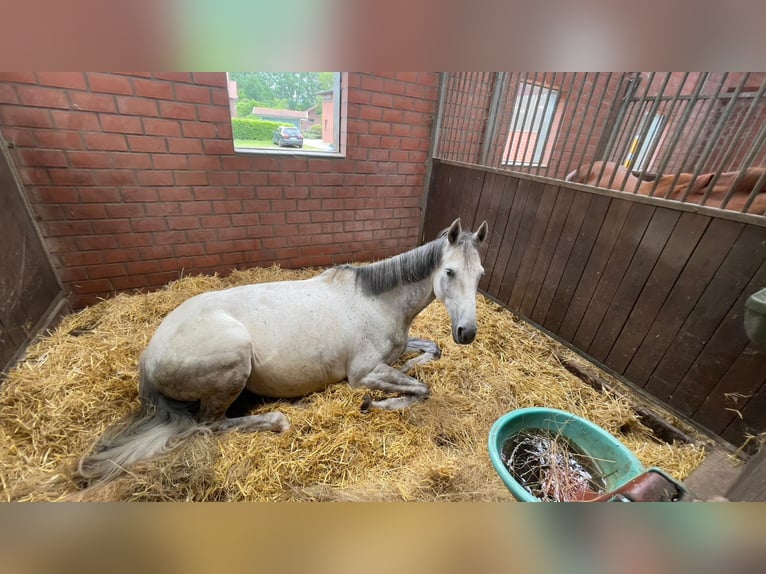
<point x="456" y="280"/>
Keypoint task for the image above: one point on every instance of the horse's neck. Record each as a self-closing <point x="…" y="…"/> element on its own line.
<point x="408" y="301"/>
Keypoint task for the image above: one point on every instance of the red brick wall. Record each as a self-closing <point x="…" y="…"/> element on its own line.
<point x="133" y="177"/>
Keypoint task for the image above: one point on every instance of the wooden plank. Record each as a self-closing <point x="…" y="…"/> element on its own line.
<point x="679" y="248"/>
<point x="542" y="217"/>
<point x="444" y="199"/>
<point x="616" y="266"/>
<point x="547" y="250"/>
<point x="742" y="425"/>
<point x="698" y="272"/>
<point x="734" y="392"/>
<point x="509" y="237"/>
<point x="720" y="351"/>
<point x="720" y="294"/>
<point x="526" y="223"/>
<point x="504" y="192"/>
<point x="470" y="196"/>
<point x="569" y="233"/>
<point x="577" y="262"/>
<point x="597" y="262"/>
<point x="633" y="281"/>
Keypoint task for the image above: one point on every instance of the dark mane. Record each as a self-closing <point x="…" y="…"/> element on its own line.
<point x="404" y="269"/>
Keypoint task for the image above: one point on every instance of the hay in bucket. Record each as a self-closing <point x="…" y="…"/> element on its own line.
<point x="82" y="377"/>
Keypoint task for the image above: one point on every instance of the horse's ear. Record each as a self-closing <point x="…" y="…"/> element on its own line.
<point x="454" y="231"/>
<point x="481" y="233"/>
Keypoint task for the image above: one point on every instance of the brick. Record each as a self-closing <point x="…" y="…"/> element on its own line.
<point x="133" y="161"/>
<point x="212" y="163"/>
<point x="42" y="97"/>
<point x="149" y="224"/>
<point x="21" y="116"/>
<point x="153" y="89"/>
<point x="110" y="226"/>
<point x="221" y="147"/>
<point x="24" y="77"/>
<point x="162" y="127"/>
<point x="109" y="83"/>
<point x="22" y="137"/>
<point x="137" y="106"/>
<point x="96" y="242"/>
<point x="210" y="78"/>
<point x="102" y="141"/>
<point x="8" y="94"/>
<point x="184" y="145"/>
<point x="193" y="94"/>
<point x="174" y="76"/>
<point x="178" y="110"/>
<point x="75" y="120"/>
<point x="198" y="130"/>
<point x="135" y="239"/>
<point x="147" y="143"/>
<point x="196" y="208"/>
<point x="181" y="222"/>
<point x="92" y="102"/>
<point x="115" y="177"/>
<point x="99" y="194"/>
<point x="121" y="124"/>
<point x="42" y="158"/>
<point x="155" y="178"/>
<point x="191" y="178"/>
<point x="169" y="161"/>
<point x="138" y="194"/>
<point x="213" y="113"/>
<point x="57" y="194"/>
<point x="87" y="211"/>
<point x="90" y="159"/>
<point x="71" y="80"/>
<point x="71" y="176"/>
<point x="127" y="210"/>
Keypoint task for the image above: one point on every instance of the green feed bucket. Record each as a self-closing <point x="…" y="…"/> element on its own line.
<point x="614" y="462"/>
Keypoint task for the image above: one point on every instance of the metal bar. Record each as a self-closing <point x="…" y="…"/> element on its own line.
<point x="668" y="112"/>
<point x="462" y="93"/>
<point x="438" y="122"/>
<point x="584" y="149"/>
<point x="697" y="137"/>
<point x="563" y="139"/>
<point x="627" y="102"/>
<point x="713" y="139"/>
<point x="677" y="135"/>
<point x="630" y="139"/>
<point x="498" y="145"/>
<point x="511" y="106"/>
<point x="551" y="88"/>
<point x="647" y="125"/>
<point x="528" y="164"/>
<point x="582" y="118"/>
<point x="489" y="133"/>
<point x="515" y="120"/>
<point x="598" y="110"/>
<point x="524" y="122"/>
<point x="487" y="87"/>
<point x="755" y="148"/>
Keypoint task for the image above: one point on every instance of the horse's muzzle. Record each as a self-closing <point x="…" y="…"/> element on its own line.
<point x="464" y="335"/>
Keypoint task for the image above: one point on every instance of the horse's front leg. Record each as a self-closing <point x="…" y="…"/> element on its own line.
<point x="430" y="351"/>
<point x="386" y="378"/>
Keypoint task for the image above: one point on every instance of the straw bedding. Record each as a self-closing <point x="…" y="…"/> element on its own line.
<point x="82" y="377"/>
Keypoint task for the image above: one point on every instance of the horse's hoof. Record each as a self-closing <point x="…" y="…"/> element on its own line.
<point x="366" y="403"/>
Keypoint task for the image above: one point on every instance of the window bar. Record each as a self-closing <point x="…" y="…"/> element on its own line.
<point x="528" y="164"/>
<point x="562" y="138"/>
<point x="697" y="136"/>
<point x="642" y="103"/>
<point x="714" y="138"/>
<point x="581" y="118"/>
<point x="679" y="131"/>
<point x="606" y="83"/>
<point x="498" y="80"/>
<point x="552" y="87"/>
<point x="755" y="148"/>
<point x="510" y="105"/>
<point x="516" y="115"/>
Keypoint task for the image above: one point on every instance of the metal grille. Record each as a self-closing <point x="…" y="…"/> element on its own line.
<point x="687" y="136"/>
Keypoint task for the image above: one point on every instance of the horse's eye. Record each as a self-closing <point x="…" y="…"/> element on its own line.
<point x="450" y="273"/>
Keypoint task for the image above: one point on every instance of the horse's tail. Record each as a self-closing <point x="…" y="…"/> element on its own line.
<point x="159" y="426"/>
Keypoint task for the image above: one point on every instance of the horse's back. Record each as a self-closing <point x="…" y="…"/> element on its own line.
<point x="294" y="335"/>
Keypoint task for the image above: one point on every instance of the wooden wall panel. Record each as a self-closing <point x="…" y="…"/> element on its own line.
<point x="651" y="291"/>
